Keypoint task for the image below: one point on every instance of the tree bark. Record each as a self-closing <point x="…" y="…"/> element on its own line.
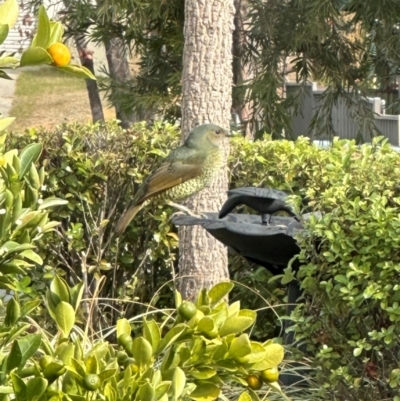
<point x="207" y="98"/>
<point x="240" y="71"/>
<point x="86" y="57"/>
<point x="120" y="72"/>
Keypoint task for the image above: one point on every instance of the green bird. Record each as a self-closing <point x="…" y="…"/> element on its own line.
<point x="184" y="172"/>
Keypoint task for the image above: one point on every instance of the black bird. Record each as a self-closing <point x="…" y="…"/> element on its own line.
<point x="266" y="201"/>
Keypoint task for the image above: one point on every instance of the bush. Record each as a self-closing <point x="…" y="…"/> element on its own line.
<point x="348" y="322"/>
<point x="198" y="353"/>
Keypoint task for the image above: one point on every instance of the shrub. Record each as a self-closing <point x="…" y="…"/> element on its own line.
<point x="348" y="322"/>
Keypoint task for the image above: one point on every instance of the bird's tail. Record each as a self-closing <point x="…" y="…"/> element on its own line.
<point x="126" y="218"/>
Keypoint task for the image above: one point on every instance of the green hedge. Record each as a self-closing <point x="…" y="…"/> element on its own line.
<point x="348" y="322"/>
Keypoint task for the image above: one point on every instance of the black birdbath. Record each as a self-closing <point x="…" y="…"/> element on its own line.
<point x="268" y="241"/>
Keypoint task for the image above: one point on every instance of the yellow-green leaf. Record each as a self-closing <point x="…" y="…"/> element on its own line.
<point x="9" y="12"/>
<point x="205" y="392"/>
<point x="77" y="71"/>
<point x="42" y="37"/>
<point x="35" y="56"/>
<point x="65" y="317"/>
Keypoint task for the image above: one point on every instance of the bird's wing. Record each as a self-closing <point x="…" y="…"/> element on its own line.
<point x="181" y="165"/>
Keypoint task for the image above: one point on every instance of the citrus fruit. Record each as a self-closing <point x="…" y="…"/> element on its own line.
<point x="187" y="310"/>
<point x="270" y="375"/>
<point x="91" y="382"/>
<point x="60" y="54"/>
<point x="125" y="340"/>
<point x="254" y="382"/>
<point x="121" y="357"/>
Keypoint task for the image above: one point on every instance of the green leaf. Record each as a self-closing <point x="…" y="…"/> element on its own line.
<point x="274" y="354"/>
<point x="142" y="351"/>
<point x="161" y="389"/>
<point x="106" y="374"/>
<point x="53" y="369"/>
<point x="35" y="56"/>
<point x="59" y="290"/>
<point x="14" y="357"/>
<point x="42" y="37"/>
<point x="19" y="386"/>
<point x="170" y="338"/>
<point x="56" y="32"/>
<point x="205" y="392"/>
<point x="76" y="294"/>
<point x="178" y="383"/>
<point x="16" y="331"/>
<point x="146" y="392"/>
<point x="51" y="202"/>
<point x="203" y="373"/>
<point x="65" y="351"/>
<point x="6" y="390"/>
<point x="9" y="12"/>
<point x="33" y="256"/>
<point x="206" y="324"/>
<point x="240" y="347"/>
<point x="123" y="327"/>
<point x="28" y="346"/>
<point x="29" y="306"/>
<point x="35" y="388"/>
<point x="12" y="312"/>
<point x="219" y="291"/>
<point x="77" y="71"/>
<point x="235" y="324"/>
<point x="4" y="28"/>
<point x="151" y="333"/>
<point x="3" y="75"/>
<point x="5" y="122"/>
<point x="29" y="155"/>
<point x="8" y="61"/>
<point x="11" y="268"/>
<point x="92" y="365"/>
<point x="65" y="317"/>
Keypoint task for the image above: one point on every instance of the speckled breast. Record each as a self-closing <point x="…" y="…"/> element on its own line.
<point x="210" y="169"/>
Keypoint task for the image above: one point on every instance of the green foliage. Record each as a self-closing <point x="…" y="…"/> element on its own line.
<point x="169" y="360"/>
<point x="24" y="214"/>
<point x="48" y="32"/>
<point x="350" y="46"/>
<point x="349" y="321"/>
<point x="97" y="169"/>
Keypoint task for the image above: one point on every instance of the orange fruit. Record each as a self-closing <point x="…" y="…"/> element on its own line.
<point x="254" y="382"/>
<point x="270" y="375"/>
<point x="60" y="54"/>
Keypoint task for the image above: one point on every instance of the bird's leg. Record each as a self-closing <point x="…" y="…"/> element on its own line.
<point x="184" y="209"/>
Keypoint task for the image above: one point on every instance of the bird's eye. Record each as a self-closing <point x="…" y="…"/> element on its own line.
<point x="217" y="131"/>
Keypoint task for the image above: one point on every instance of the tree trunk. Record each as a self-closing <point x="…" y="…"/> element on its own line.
<point x="240" y="71"/>
<point x="207" y="98"/>
<point x="120" y="72"/>
<point x="86" y="57"/>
